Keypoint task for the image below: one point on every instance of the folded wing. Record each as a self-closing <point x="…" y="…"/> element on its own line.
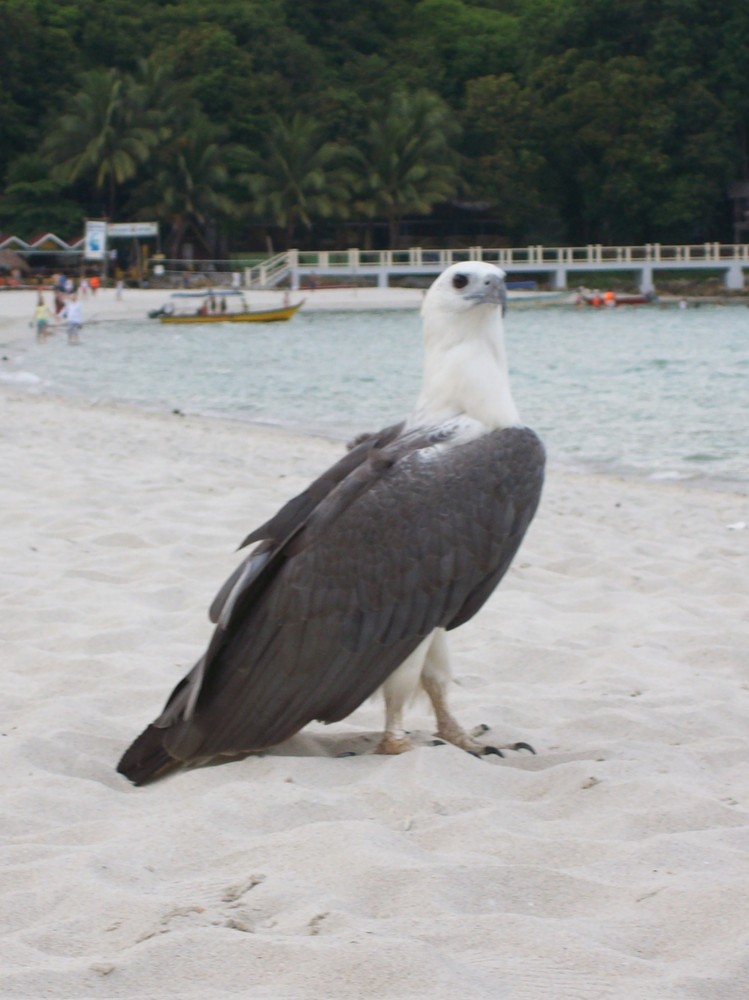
<point x="407" y="533"/>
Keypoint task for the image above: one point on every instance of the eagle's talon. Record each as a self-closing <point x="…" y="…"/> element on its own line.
<point x="486" y="752"/>
<point x="523" y="746"/>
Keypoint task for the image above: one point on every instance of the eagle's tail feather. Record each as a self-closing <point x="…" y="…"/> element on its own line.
<point x="146" y="758"/>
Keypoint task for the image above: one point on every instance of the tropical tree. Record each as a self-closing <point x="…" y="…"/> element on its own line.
<point x="105" y="134"/>
<point x="584" y="120"/>
<point x="188" y="187"/>
<point x="34" y="202"/>
<point x="503" y="143"/>
<point x="406" y="163"/>
<point x="605" y="128"/>
<point x="458" y="41"/>
<point x="38" y="56"/>
<point x="163" y="102"/>
<point x="296" y="177"/>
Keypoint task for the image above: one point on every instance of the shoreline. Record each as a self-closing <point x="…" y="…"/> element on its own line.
<point x="696" y="483"/>
<point x="17" y="306"/>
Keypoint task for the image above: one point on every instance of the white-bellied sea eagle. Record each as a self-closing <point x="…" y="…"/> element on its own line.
<point x="355" y="582"/>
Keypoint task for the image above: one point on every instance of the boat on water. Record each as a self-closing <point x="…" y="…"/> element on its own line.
<point x="602" y="300"/>
<point x="213" y="307"/>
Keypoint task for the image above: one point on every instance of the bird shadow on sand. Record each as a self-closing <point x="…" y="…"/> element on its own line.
<point x="364" y="744"/>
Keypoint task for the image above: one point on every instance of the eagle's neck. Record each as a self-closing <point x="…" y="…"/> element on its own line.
<point x="465" y="370"/>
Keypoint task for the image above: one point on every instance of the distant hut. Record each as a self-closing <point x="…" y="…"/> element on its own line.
<point x="11" y="263"/>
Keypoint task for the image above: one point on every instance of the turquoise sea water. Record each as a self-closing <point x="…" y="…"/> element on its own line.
<point x="654" y="392"/>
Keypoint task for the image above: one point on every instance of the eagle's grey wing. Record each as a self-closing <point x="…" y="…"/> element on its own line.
<point x="294" y="513"/>
<point x="415" y="537"/>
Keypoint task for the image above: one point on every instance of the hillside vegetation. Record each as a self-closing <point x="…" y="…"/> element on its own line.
<point x="372" y="123"/>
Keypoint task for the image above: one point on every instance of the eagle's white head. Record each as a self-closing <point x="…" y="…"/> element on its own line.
<point x="463" y="287"/>
<point x="465" y="368"/>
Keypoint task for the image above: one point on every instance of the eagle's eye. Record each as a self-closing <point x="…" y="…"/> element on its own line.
<point x="460" y="281"/>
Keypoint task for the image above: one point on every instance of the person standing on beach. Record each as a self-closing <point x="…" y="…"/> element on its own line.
<point x="73" y="315"/>
<point x="41" y="318"/>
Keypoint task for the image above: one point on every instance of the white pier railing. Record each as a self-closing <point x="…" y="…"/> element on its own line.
<point x="557" y="262"/>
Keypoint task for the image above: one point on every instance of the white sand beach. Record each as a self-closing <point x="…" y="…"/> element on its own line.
<point x="614" y="864"/>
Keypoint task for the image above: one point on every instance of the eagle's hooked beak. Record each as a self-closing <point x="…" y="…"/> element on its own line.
<point x="491" y="291"/>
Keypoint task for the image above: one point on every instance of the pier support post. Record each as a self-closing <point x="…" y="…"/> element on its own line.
<point x="646" y="279"/>
<point x="294" y="279"/>
<point x="734" y="277"/>
<point x="382" y="278"/>
<point x="559" y="278"/>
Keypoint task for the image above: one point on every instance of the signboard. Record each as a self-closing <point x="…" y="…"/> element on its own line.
<point x="95" y="240"/>
<point x="133" y="229"/>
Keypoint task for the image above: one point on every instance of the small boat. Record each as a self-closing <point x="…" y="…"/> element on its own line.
<point x="608" y="299"/>
<point x="213" y="309"/>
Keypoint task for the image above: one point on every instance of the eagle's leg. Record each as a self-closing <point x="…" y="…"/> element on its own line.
<point x="395" y="739"/>
<point x="398" y="690"/>
<point x="435" y="678"/>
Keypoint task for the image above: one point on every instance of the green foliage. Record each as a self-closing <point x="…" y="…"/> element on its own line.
<point x="37" y="60"/>
<point x="606" y="127"/>
<point x="34" y="202"/>
<point x="295" y="176"/>
<point x="462" y="41"/>
<point x="405" y="163"/>
<point x="187" y="186"/>
<point x="106" y="133"/>
<point x="505" y="155"/>
<point x="577" y="120"/>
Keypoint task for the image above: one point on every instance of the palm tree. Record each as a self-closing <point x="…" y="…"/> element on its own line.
<point x="165" y="103"/>
<point x="406" y="163"/>
<point x="105" y="133"/>
<point x="296" y="177"/>
<point x="188" y="184"/>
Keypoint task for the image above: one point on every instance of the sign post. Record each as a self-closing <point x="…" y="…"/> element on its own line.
<point x="132" y="229"/>
<point x="95" y="240"/>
